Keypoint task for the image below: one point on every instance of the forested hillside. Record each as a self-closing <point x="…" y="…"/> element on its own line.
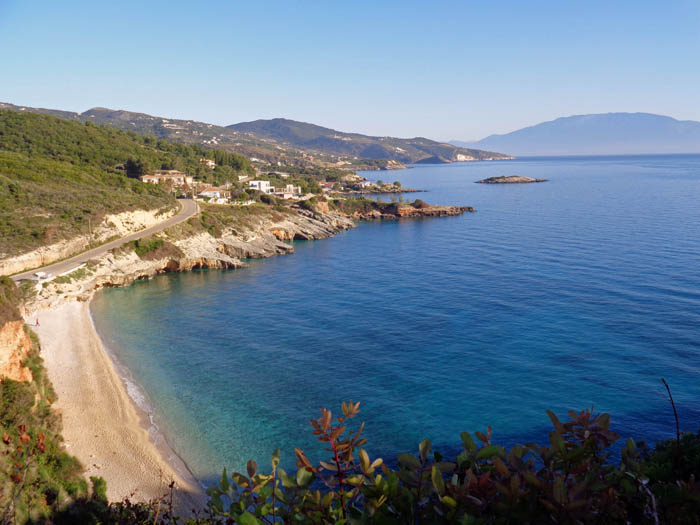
<point x="59" y="177"/>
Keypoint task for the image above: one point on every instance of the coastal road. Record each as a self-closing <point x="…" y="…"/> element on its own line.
<point x="188" y="208"/>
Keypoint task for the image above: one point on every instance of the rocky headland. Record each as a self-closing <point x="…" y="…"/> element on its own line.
<point x="515" y="179"/>
<point x="218" y="238"/>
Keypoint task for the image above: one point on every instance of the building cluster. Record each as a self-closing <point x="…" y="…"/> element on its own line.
<point x="174" y="177"/>
<point x="290" y="191"/>
<point x="187" y="184"/>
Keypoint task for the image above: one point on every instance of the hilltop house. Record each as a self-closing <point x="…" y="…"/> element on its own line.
<point x="176" y="177"/>
<point x="261" y="185"/>
<point x="209" y="163"/>
<point x="289" y="192"/>
<point x="216" y="195"/>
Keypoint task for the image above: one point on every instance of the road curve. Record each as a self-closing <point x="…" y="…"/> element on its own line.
<point x="188" y="208"/>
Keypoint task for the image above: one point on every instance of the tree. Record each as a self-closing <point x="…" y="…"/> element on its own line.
<point x="136" y="167"/>
<point x="397" y="184"/>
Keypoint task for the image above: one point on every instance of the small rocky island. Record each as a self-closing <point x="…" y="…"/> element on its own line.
<point x="515" y="179"/>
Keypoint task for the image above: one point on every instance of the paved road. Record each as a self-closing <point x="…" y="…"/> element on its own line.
<point x="188" y="208"/>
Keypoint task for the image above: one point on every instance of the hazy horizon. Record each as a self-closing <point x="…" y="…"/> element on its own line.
<point x="443" y="71"/>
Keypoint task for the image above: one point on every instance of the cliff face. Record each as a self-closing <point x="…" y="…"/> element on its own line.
<point x="14" y="341"/>
<point x="112" y="225"/>
<point x="15" y="344"/>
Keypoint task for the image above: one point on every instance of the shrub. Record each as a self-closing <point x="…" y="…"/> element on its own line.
<point x="569" y="480"/>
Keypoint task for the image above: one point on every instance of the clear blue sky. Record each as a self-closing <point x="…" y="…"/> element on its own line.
<point x="441" y="69"/>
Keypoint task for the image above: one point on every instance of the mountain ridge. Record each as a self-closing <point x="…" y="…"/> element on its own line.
<point x="599" y="134"/>
<point x="334" y="142"/>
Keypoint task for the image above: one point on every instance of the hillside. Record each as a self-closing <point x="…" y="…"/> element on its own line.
<point x="599" y="134"/>
<point x="282" y="141"/>
<point x="184" y="131"/>
<point x="59" y="179"/>
<point x="332" y="142"/>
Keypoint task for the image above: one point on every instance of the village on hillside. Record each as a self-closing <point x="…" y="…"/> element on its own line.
<point x="184" y="185"/>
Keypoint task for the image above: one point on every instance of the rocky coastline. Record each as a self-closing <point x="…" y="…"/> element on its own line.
<point x="182" y="251"/>
<point x="190" y="246"/>
<point x="405" y="212"/>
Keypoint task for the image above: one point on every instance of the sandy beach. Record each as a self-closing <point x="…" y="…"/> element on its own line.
<point x="102" y="426"/>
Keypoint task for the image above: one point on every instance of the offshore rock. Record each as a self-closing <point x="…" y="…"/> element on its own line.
<point x="515" y="179"/>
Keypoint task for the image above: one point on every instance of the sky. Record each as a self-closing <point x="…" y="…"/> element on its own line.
<point x="440" y="69"/>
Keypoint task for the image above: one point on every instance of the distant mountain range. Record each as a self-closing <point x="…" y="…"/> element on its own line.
<point x="598" y="134"/>
<point x="281" y="140"/>
<point x="326" y="140"/>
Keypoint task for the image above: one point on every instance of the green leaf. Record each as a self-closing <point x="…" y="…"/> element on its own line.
<point x="559" y="491"/>
<point x="424" y="448"/>
<point x="449" y="502"/>
<point x="265" y="492"/>
<point x="491" y="451"/>
<point x="287" y="481"/>
<point x="275" y="460"/>
<point x="224" y="481"/>
<point x="304" y="477"/>
<point x="247" y="519"/>
<point x="438" y="482"/>
<point x="364" y="460"/>
<point x="557" y="442"/>
<point x="408" y="461"/>
<point x="463" y="458"/>
<point x="468" y="442"/>
<point x="555" y="421"/>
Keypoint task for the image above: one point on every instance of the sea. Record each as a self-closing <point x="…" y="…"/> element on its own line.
<point x="577" y="293"/>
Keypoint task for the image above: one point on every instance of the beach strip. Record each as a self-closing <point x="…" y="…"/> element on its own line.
<point x="102" y="426"/>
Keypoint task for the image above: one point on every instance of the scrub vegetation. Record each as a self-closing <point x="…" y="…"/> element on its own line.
<point x="59" y="178"/>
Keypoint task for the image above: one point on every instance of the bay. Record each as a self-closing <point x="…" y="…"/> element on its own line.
<point x="579" y="292"/>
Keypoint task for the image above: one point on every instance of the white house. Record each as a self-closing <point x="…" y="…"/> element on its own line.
<point x="261" y="185"/>
<point x="177" y="177"/>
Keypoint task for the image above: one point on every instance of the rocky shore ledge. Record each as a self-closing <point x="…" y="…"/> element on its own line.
<point x="516" y="179"/>
<point x="207" y="241"/>
<point x="222" y="237"/>
<point x="411" y="212"/>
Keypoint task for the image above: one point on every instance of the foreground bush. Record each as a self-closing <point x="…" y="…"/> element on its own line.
<point x="570" y="480"/>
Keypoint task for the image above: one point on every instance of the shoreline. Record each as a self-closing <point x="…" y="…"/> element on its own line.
<point x="103" y="425"/>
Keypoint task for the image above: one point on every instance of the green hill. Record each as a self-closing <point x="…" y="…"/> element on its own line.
<point x="288" y="142"/>
<point x="58" y="177"/>
<point x="330" y="141"/>
<point x="182" y="131"/>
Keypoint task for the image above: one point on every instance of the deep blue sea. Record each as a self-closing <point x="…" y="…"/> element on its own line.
<point x="579" y="292"/>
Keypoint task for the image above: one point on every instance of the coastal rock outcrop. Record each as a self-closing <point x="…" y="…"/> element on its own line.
<point x="514" y="179"/>
<point x="15" y="344"/>
<point x="262" y="236"/>
<point x="401" y="212"/>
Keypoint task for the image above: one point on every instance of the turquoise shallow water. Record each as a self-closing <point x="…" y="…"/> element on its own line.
<point x="582" y="291"/>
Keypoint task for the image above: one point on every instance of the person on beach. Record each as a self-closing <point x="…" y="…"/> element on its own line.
<point x="37" y="321"/>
